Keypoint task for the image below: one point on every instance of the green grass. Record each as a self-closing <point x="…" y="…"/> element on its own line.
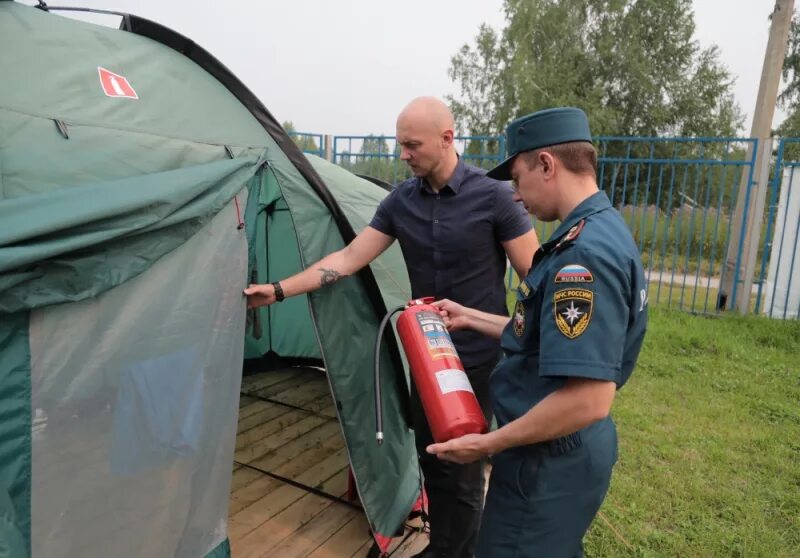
<point x="709" y="429"/>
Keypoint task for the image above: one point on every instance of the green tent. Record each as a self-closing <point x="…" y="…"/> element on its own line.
<point x="286" y="330"/>
<point x="142" y="186"/>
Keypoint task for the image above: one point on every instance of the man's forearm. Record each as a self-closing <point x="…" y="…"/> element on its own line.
<point x="488" y="324"/>
<point x="576" y="405"/>
<point x="364" y="248"/>
<point x="327" y="271"/>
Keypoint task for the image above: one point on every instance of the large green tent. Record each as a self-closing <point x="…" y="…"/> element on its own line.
<point x="142" y="186"/>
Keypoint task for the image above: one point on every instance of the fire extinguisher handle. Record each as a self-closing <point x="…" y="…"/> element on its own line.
<point x="378" y="398"/>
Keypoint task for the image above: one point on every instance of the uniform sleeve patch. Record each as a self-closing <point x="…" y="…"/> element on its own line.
<point x="573" y="311"/>
<point x="574" y="273"/>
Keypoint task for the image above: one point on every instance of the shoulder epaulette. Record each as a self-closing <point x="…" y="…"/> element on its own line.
<point x="571" y="235"/>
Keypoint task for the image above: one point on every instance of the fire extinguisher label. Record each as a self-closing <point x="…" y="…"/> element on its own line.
<point x="453" y="380"/>
<point x="438" y="340"/>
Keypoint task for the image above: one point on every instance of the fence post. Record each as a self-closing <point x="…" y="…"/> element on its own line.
<point x="752" y="241"/>
<point x="328" y="147"/>
<point x="761" y="126"/>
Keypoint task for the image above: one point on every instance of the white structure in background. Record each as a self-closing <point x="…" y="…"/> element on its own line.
<point x="783" y="278"/>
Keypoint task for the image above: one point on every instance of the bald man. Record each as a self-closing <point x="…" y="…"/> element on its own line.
<point x="455" y="227"/>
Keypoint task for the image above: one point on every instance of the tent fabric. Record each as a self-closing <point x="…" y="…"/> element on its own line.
<point x="173" y="92"/>
<point x="98" y="193"/>
<point x="223" y="550"/>
<point x="359" y="199"/>
<point x="15" y="435"/>
<point x="12" y="542"/>
<point x="54" y="247"/>
<point x="289" y="324"/>
<point x="138" y="414"/>
<point x="283" y="329"/>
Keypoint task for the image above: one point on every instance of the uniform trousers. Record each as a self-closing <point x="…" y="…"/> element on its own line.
<point x="543" y="497"/>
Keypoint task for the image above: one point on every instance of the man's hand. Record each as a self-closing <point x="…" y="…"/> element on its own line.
<point x="465" y="449"/>
<point x="260" y="295"/>
<point x="453" y="314"/>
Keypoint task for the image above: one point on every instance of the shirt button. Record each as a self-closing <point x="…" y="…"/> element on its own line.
<point x="437" y="196"/>
<point x="436" y="220"/>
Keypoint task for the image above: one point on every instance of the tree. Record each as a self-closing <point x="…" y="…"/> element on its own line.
<point x="376" y="159"/>
<point x="789" y="99"/>
<point x="483" y="95"/>
<point x="374" y="147"/>
<point x="304" y="142"/>
<point x="633" y="65"/>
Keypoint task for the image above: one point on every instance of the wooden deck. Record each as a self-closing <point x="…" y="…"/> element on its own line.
<point x="289" y="436"/>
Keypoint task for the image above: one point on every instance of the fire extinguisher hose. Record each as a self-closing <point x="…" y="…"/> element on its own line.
<point x="378" y="404"/>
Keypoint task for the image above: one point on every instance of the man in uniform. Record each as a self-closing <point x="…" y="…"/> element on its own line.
<point x="577" y="328"/>
<point x="455" y="227"/>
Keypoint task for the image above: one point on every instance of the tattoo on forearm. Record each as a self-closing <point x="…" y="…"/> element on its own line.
<point x="329" y="276"/>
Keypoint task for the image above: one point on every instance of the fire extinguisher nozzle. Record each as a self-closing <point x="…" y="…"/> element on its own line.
<point x="379" y="438"/>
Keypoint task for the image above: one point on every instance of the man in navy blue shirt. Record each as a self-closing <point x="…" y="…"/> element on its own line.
<point x="455" y="227"/>
<point x="577" y="329"/>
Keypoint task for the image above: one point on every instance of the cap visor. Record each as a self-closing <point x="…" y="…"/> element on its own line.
<point x="502" y="171"/>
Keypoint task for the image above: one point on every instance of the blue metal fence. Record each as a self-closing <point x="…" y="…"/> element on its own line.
<point x="379" y="156"/>
<point x="677" y="195"/>
<point x="309" y="143"/>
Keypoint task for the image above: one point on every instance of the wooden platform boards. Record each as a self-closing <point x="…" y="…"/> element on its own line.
<point x="289" y="446"/>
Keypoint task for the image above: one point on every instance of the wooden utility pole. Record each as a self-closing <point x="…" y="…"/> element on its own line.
<point x="745" y="235"/>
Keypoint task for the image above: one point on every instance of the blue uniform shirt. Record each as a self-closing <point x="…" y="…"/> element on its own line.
<point x="580" y="312"/>
<point x="451" y="244"/>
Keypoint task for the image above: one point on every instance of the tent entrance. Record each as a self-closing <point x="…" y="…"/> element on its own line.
<point x="288" y="495"/>
<point x="290" y="471"/>
<point x="281" y="334"/>
<point x="287" y="411"/>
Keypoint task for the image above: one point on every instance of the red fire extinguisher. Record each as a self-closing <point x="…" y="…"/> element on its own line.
<point x="447" y="398"/>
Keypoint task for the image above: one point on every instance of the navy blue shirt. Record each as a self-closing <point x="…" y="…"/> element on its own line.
<point x="580" y="312"/>
<point x="451" y="245"/>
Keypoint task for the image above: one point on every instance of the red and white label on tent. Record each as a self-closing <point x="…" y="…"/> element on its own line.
<point x="115" y="85"/>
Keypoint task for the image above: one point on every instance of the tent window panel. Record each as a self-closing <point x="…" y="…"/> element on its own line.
<point x="135" y="395"/>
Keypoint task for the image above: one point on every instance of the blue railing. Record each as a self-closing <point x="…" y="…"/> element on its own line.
<point x="379" y="156"/>
<point x="677" y="195"/>
<point x="309" y="143"/>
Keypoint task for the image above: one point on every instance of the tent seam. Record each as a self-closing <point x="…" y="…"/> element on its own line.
<point x="93" y="124"/>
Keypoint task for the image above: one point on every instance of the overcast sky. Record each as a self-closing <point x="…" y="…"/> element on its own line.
<point x="348" y="66"/>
